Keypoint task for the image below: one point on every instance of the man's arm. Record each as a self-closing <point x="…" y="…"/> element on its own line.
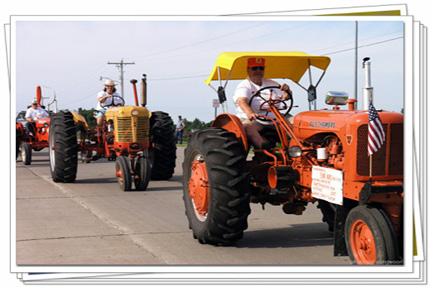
<point x="28" y="116"/>
<point x="285" y="88"/>
<point x="103" y="99"/>
<point x="243" y="104"/>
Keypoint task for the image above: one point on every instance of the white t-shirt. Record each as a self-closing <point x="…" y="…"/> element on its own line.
<point x="247" y="88"/>
<point x="37" y="113"/>
<point x="108" y="101"/>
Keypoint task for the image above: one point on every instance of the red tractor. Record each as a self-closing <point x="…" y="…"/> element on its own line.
<point x="322" y="157"/>
<point x="26" y="143"/>
<point x="142" y="143"/>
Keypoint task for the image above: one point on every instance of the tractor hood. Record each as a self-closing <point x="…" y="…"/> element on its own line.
<point x="309" y="124"/>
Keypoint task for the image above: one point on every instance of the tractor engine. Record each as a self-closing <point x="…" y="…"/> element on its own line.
<point x="340" y="141"/>
<point x="336" y="140"/>
<point x="131" y="129"/>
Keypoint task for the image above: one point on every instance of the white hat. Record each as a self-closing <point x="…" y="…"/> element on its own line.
<point x="110" y="83"/>
<point x="34" y="102"/>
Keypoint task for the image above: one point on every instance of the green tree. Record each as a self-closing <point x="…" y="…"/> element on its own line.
<point x="196" y="124"/>
<point x="89" y="116"/>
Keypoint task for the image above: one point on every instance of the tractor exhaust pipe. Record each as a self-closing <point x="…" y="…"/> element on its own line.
<point x="133" y="82"/>
<point x="368" y="89"/>
<point x="143" y="91"/>
<point x="39" y="96"/>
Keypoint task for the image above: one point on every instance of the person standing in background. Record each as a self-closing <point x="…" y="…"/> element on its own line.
<point x="179" y="129"/>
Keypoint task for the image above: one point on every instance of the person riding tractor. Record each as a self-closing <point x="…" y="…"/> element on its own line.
<point x="320" y="156"/>
<point x="32" y="127"/>
<point x="142" y="143"/>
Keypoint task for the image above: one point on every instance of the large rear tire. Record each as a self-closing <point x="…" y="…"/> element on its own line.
<point x="163" y="146"/>
<point x="19" y="137"/>
<point x="216" y="187"/>
<point x="63" y="147"/>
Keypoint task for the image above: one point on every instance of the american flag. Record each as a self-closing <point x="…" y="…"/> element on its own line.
<point x="376" y="132"/>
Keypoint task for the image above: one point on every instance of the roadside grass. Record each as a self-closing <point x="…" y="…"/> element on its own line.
<point x="184" y="143"/>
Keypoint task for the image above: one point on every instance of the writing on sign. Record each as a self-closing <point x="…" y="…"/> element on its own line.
<point x="327" y="184"/>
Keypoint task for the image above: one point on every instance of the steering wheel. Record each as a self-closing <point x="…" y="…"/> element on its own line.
<point x="106" y="106"/>
<point x="284" y="105"/>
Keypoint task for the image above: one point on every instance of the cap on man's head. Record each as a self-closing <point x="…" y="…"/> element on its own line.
<point x="256" y="62"/>
<point x="34" y="102"/>
<point x="110" y="83"/>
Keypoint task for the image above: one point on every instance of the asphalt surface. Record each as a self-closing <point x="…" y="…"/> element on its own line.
<point x="92" y="222"/>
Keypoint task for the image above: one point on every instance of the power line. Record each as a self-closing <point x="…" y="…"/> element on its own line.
<point x="83" y="98"/>
<point x="351" y="42"/>
<point x="199" y="76"/>
<point x="121" y="65"/>
<point x="178" y="78"/>
<point x="371" y="44"/>
<point x="204" y="41"/>
<point x="78" y="84"/>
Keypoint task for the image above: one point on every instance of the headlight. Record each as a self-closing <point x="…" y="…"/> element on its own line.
<point x="134" y="112"/>
<point x="295" y="151"/>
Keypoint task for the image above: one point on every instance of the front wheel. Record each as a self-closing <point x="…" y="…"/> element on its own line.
<point x="365" y="240"/>
<point x="26" y="153"/>
<point x="123" y="173"/>
<point x="142" y="173"/>
<point x="215" y="186"/>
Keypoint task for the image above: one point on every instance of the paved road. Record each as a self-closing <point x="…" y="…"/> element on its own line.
<point x="93" y="222"/>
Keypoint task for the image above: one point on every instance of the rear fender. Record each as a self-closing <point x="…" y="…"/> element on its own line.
<point x="233" y="124"/>
<point x="80" y="122"/>
<point x="19" y="128"/>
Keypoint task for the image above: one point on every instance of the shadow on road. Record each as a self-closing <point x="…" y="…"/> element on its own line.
<point x="98" y="180"/>
<point x="164" y="188"/>
<point x="176" y="178"/>
<point x="298" y="235"/>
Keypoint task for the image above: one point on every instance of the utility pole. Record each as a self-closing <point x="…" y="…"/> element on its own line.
<point x="121" y="65"/>
<point x="356" y="60"/>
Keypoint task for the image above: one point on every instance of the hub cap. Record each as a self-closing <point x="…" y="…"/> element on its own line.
<point x="199" y="188"/>
<point x="363" y="243"/>
<point x="52" y="153"/>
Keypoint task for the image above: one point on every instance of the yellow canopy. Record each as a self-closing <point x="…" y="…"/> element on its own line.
<point x="279" y="65"/>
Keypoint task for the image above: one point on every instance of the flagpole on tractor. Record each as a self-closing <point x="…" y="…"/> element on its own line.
<point x="367" y="98"/>
<point x="376" y="134"/>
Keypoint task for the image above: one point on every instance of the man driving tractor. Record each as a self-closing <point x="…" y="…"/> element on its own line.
<point x="247" y="114"/>
<point x="107" y="97"/>
<point x="32" y="114"/>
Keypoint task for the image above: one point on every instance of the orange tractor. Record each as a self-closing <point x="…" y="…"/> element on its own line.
<point x="322" y="157"/>
<point x="142" y="143"/>
<point x="25" y="143"/>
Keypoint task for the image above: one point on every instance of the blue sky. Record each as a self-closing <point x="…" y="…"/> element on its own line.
<point x="178" y="55"/>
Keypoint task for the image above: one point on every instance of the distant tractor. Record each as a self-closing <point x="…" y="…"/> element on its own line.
<point x="26" y="143"/>
<point x="140" y="142"/>
<point x="322" y="157"/>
